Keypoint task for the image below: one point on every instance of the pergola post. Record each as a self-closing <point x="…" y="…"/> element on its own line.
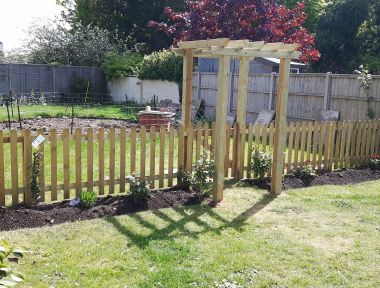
<point x="280" y="126"/>
<point x="187" y="87"/>
<point x="241" y="114"/>
<point x="220" y="126"/>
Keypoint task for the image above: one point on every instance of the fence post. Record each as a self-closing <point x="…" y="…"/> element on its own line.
<point x="271" y="89"/>
<point x="326" y="95"/>
<point x="27" y="154"/>
<point x="198" y="84"/>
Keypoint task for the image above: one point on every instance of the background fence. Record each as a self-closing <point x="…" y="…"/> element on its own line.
<point x="50" y="79"/>
<point x="309" y="94"/>
<point x="102" y="159"/>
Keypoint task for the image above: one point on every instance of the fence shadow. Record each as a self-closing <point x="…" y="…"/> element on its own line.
<point x="190" y="215"/>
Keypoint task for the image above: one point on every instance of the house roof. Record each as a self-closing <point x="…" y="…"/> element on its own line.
<point x="276" y="61"/>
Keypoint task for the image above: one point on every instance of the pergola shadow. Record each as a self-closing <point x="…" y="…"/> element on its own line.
<point x="189" y="215"/>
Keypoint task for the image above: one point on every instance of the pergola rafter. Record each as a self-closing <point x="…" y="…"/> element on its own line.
<point x="225" y="49"/>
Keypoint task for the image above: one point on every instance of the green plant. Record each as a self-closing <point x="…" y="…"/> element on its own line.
<point x="261" y="161"/>
<point x="184" y="178"/>
<point x="139" y="188"/>
<point x="365" y="79"/>
<point x="306" y="173"/>
<point x="118" y="66"/>
<point x="8" y="277"/>
<point x="203" y="174"/>
<point x="374" y="162"/>
<point x="87" y="198"/>
<point x="36" y="169"/>
<point x="201" y="179"/>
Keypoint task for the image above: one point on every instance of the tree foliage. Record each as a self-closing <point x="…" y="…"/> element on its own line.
<point x="313" y="9"/>
<point x="118" y="66"/>
<point x="336" y="36"/>
<point x="164" y="65"/>
<point x="126" y="20"/>
<point x="56" y="43"/>
<point x="245" y="19"/>
<point x="369" y="38"/>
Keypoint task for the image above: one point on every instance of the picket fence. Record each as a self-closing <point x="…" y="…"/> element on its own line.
<point x="101" y="160"/>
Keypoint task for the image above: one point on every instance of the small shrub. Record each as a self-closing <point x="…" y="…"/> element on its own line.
<point x="87" y="199"/>
<point x="203" y="174"/>
<point x="184" y="178"/>
<point x="9" y="278"/>
<point x="201" y="179"/>
<point x="261" y="162"/>
<point x="374" y="162"/>
<point x="139" y="188"/>
<point x="306" y="173"/>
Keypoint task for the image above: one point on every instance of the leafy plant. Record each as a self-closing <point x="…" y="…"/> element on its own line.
<point x="203" y="174"/>
<point x="374" y="162"/>
<point x="261" y="162"/>
<point x="365" y="79"/>
<point x="306" y="173"/>
<point x="118" y="66"/>
<point x="201" y="179"/>
<point x="87" y="198"/>
<point x="8" y="277"/>
<point x="36" y="169"/>
<point x="139" y="188"/>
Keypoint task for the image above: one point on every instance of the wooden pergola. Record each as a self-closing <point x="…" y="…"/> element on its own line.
<point x="225" y="49"/>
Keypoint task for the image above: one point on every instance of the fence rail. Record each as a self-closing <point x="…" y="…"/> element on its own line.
<point x="100" y="160"/>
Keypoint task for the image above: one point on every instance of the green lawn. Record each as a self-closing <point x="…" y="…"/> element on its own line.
<point x="315" y="237"/>
<point x="98" y="111"/>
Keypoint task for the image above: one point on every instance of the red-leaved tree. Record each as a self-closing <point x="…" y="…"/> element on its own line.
<point x="255" y="20"/>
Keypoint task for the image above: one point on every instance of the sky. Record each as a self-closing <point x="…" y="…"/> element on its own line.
<point x="17" y="15"/>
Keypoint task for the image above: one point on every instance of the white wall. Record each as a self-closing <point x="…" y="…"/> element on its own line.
<point x="142" y="91"/>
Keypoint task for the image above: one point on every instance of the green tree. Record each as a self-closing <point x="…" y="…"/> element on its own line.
<point x="369" y="39"/>
<point x="313" y="9"/>
<point x="125" y="19"/>
<point x="336" y="33"/>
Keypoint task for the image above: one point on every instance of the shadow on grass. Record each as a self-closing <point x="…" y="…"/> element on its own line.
<point x="188" y="214"/>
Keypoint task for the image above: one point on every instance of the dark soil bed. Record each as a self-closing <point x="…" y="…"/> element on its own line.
<point x="61" y="123"/>
<point x="343" y="177"/>
<point x="51" y="214"/>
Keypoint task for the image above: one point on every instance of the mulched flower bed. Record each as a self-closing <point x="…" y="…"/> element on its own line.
<point x="343" y="177"/>
<point x="50" y="214"/>
<point x="61" y="123"/>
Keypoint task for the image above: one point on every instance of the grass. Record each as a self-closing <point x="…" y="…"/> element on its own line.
<point x="100" y="111"/>
<point x="315" y="237"/>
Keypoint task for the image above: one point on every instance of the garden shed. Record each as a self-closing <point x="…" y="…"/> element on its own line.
<point x="224" y="50"/>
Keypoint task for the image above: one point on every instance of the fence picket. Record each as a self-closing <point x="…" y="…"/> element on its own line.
<point x="227" y="159"/>
<point x="123" y="151"/>
<point x="2" y="175"/>
<point x="303" y="144"/>
<point x="78" y="161"/>
<point x="90" y="159"/>
<point x="53" y="165"/>
<point x="162" y="158"/>
<point x="152" y="155"/>
<point x="143" y="153"/>
<point x="111" y="187"/>
<point x="14" y="167"/>
<point x="296" y="145"/>
<point x="41" y="175"/>
<point x="133" y="150"/>
<point x="198" y="142"/>
<point x="290" y="147"/>
<point x="101" y="160"/>
<point x="66" y="164"/>
<point x="206" y="136"/>
<point x="249" y="154"/>
<point x="171" y="156"/>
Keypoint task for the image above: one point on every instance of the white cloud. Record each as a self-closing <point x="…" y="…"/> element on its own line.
<point x="17" y="15"/>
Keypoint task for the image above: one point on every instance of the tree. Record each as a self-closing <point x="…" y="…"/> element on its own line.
<point x="313" y="9"/>
<point x="245" y="19"/>
<point x="54" y="42"/>
<point x="125" y="20"/>
<point x="336" y="34"/>
<point x="369" y="38"/>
